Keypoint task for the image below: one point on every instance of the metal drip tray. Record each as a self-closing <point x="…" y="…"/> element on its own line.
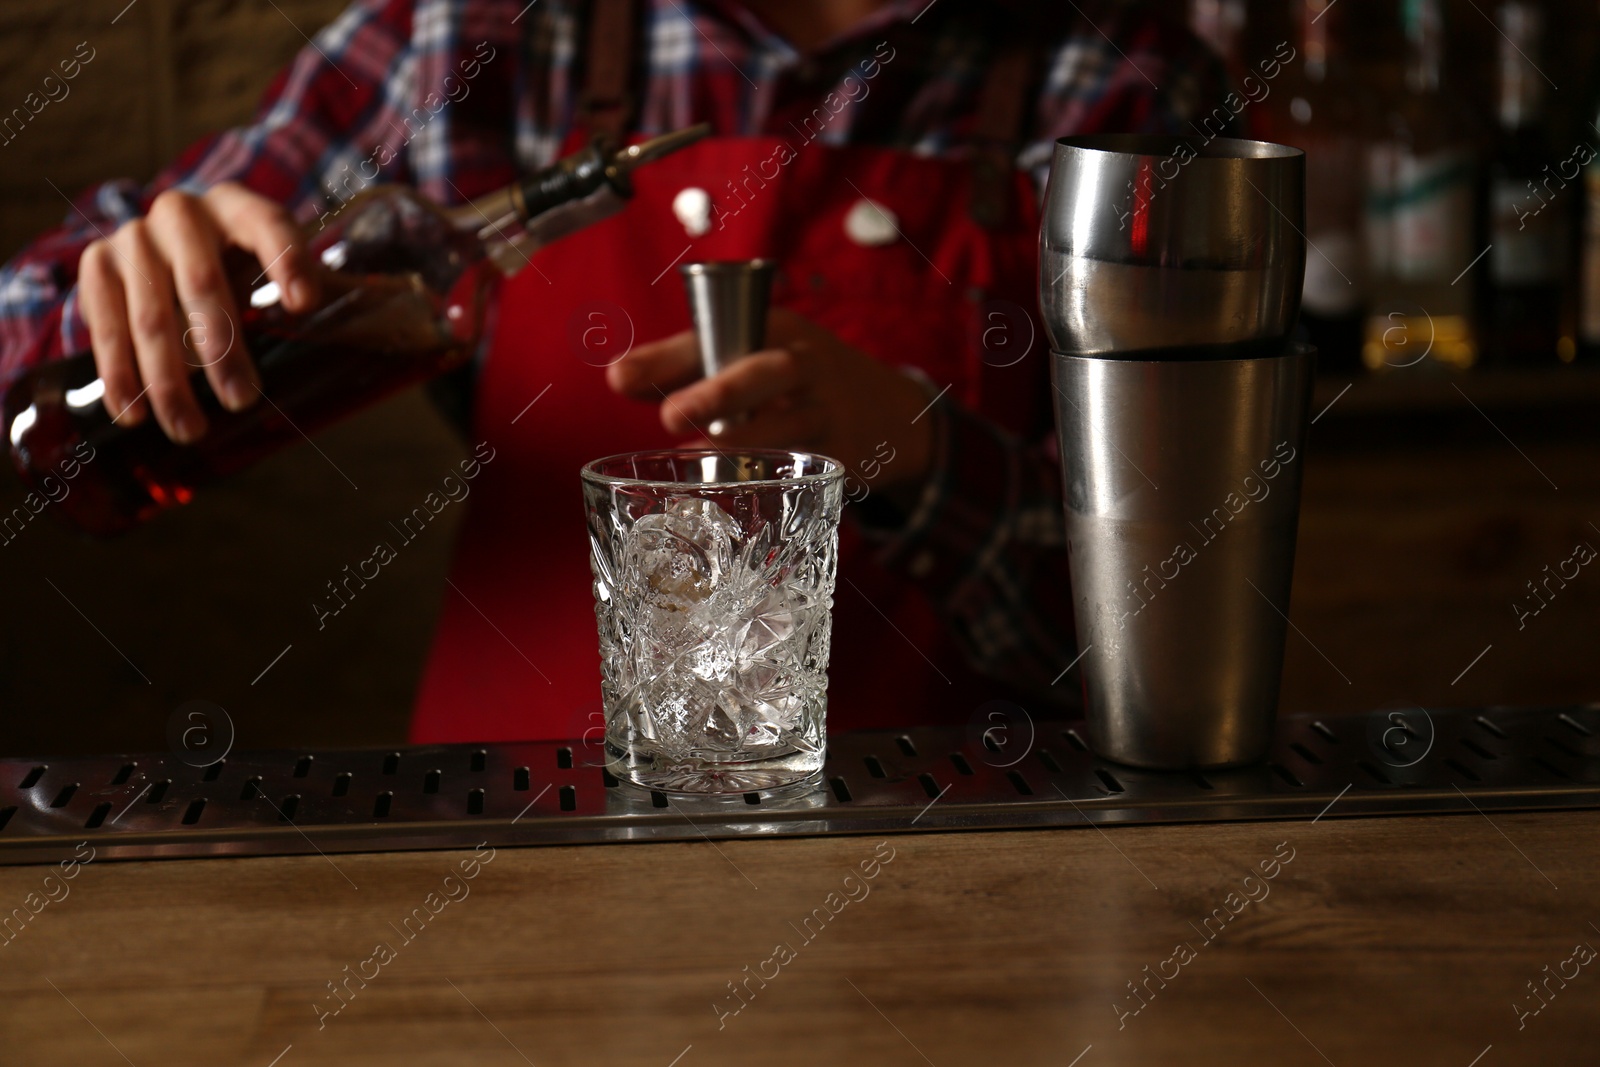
<point x="926" y="778"/>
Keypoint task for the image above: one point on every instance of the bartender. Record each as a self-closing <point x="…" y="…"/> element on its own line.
<point x="887" y="154"/>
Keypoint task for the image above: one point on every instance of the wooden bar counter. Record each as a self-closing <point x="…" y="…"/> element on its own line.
<point x="1409" y="940"/>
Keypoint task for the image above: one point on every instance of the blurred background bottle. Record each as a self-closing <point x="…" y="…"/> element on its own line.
<point x="1588" y="265"/>
<point x="1529" y="203"/>
<point x="1221" y="24"/>
<point x="1318" y="106"/>
<point x="1423" y="173"/>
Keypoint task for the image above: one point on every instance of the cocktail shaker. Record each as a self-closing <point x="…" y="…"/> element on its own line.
<point x="1170" y="277"/>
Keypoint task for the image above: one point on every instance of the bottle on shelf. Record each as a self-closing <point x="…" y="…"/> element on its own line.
<point x="1317" y="107"/>
<point x="1422" y="239"/>
<point x="1586" y="153"/>
<point x="405" y="287"/>
<point x="1222" y="24"/>
<point x="1529" y="203"/>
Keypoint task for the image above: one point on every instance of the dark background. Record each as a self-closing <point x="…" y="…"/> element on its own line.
<point x="1421" y="523"/>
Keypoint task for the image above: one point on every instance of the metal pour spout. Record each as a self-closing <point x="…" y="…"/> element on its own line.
<point x="576" y="191"/>
<point x="629" y="159"/>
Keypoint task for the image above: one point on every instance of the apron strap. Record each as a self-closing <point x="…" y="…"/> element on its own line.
<point x="1002" y="115"/>
<point x="607" y="105"/>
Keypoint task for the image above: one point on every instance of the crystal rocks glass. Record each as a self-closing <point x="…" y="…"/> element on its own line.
<point x="713" y="580"/>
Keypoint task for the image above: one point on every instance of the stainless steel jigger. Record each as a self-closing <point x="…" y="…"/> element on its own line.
<point x="1170" y="274"/>
<point x="728" y="301"/>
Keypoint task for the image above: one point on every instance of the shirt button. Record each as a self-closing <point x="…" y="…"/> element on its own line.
<point x="870" y="224"/>
<point x="692" y="206"/>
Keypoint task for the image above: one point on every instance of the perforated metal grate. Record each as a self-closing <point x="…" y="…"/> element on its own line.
<point x="929" y="778"/>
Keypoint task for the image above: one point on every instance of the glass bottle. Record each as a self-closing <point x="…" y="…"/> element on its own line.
<point x="1228" y="27"/>
<point x="1316" y="108"/>
<point x="406" y="284"/>
<point x="1422" y="181"/>
<point x="1586" y="154"/>
<point x="1221" y="24"/>
<point x="1528" y="204"/>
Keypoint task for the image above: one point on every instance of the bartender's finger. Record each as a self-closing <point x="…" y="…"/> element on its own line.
<point x="654" y="368"/>
<point x="745" y="385"/>
<point x="153" y="316"/>
<point x="786" y="328"/>
<point x="265" y="228"/>
<point x="187" y="238"/>
<point x="105" y="312"/>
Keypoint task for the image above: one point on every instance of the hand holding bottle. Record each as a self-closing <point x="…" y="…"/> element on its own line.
<point x="156" y="298"/>
<point x="392" y="291"/>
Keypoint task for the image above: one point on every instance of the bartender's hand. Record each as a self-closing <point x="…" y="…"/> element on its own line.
<point x="807" y="390"/>
<point x="160" y="280"/>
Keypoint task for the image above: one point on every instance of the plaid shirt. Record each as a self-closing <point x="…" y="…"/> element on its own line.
<point x="363" y="103"/>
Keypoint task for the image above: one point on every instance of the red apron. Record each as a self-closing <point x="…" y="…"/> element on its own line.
<point x="516" y="654"/>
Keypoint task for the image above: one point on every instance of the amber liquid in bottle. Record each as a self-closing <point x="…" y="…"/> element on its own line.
<point x="1423" y="177"/>
<point x="385" y="342"/>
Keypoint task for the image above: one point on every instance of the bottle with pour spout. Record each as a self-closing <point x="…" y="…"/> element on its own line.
<point x="406" y="284"/>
